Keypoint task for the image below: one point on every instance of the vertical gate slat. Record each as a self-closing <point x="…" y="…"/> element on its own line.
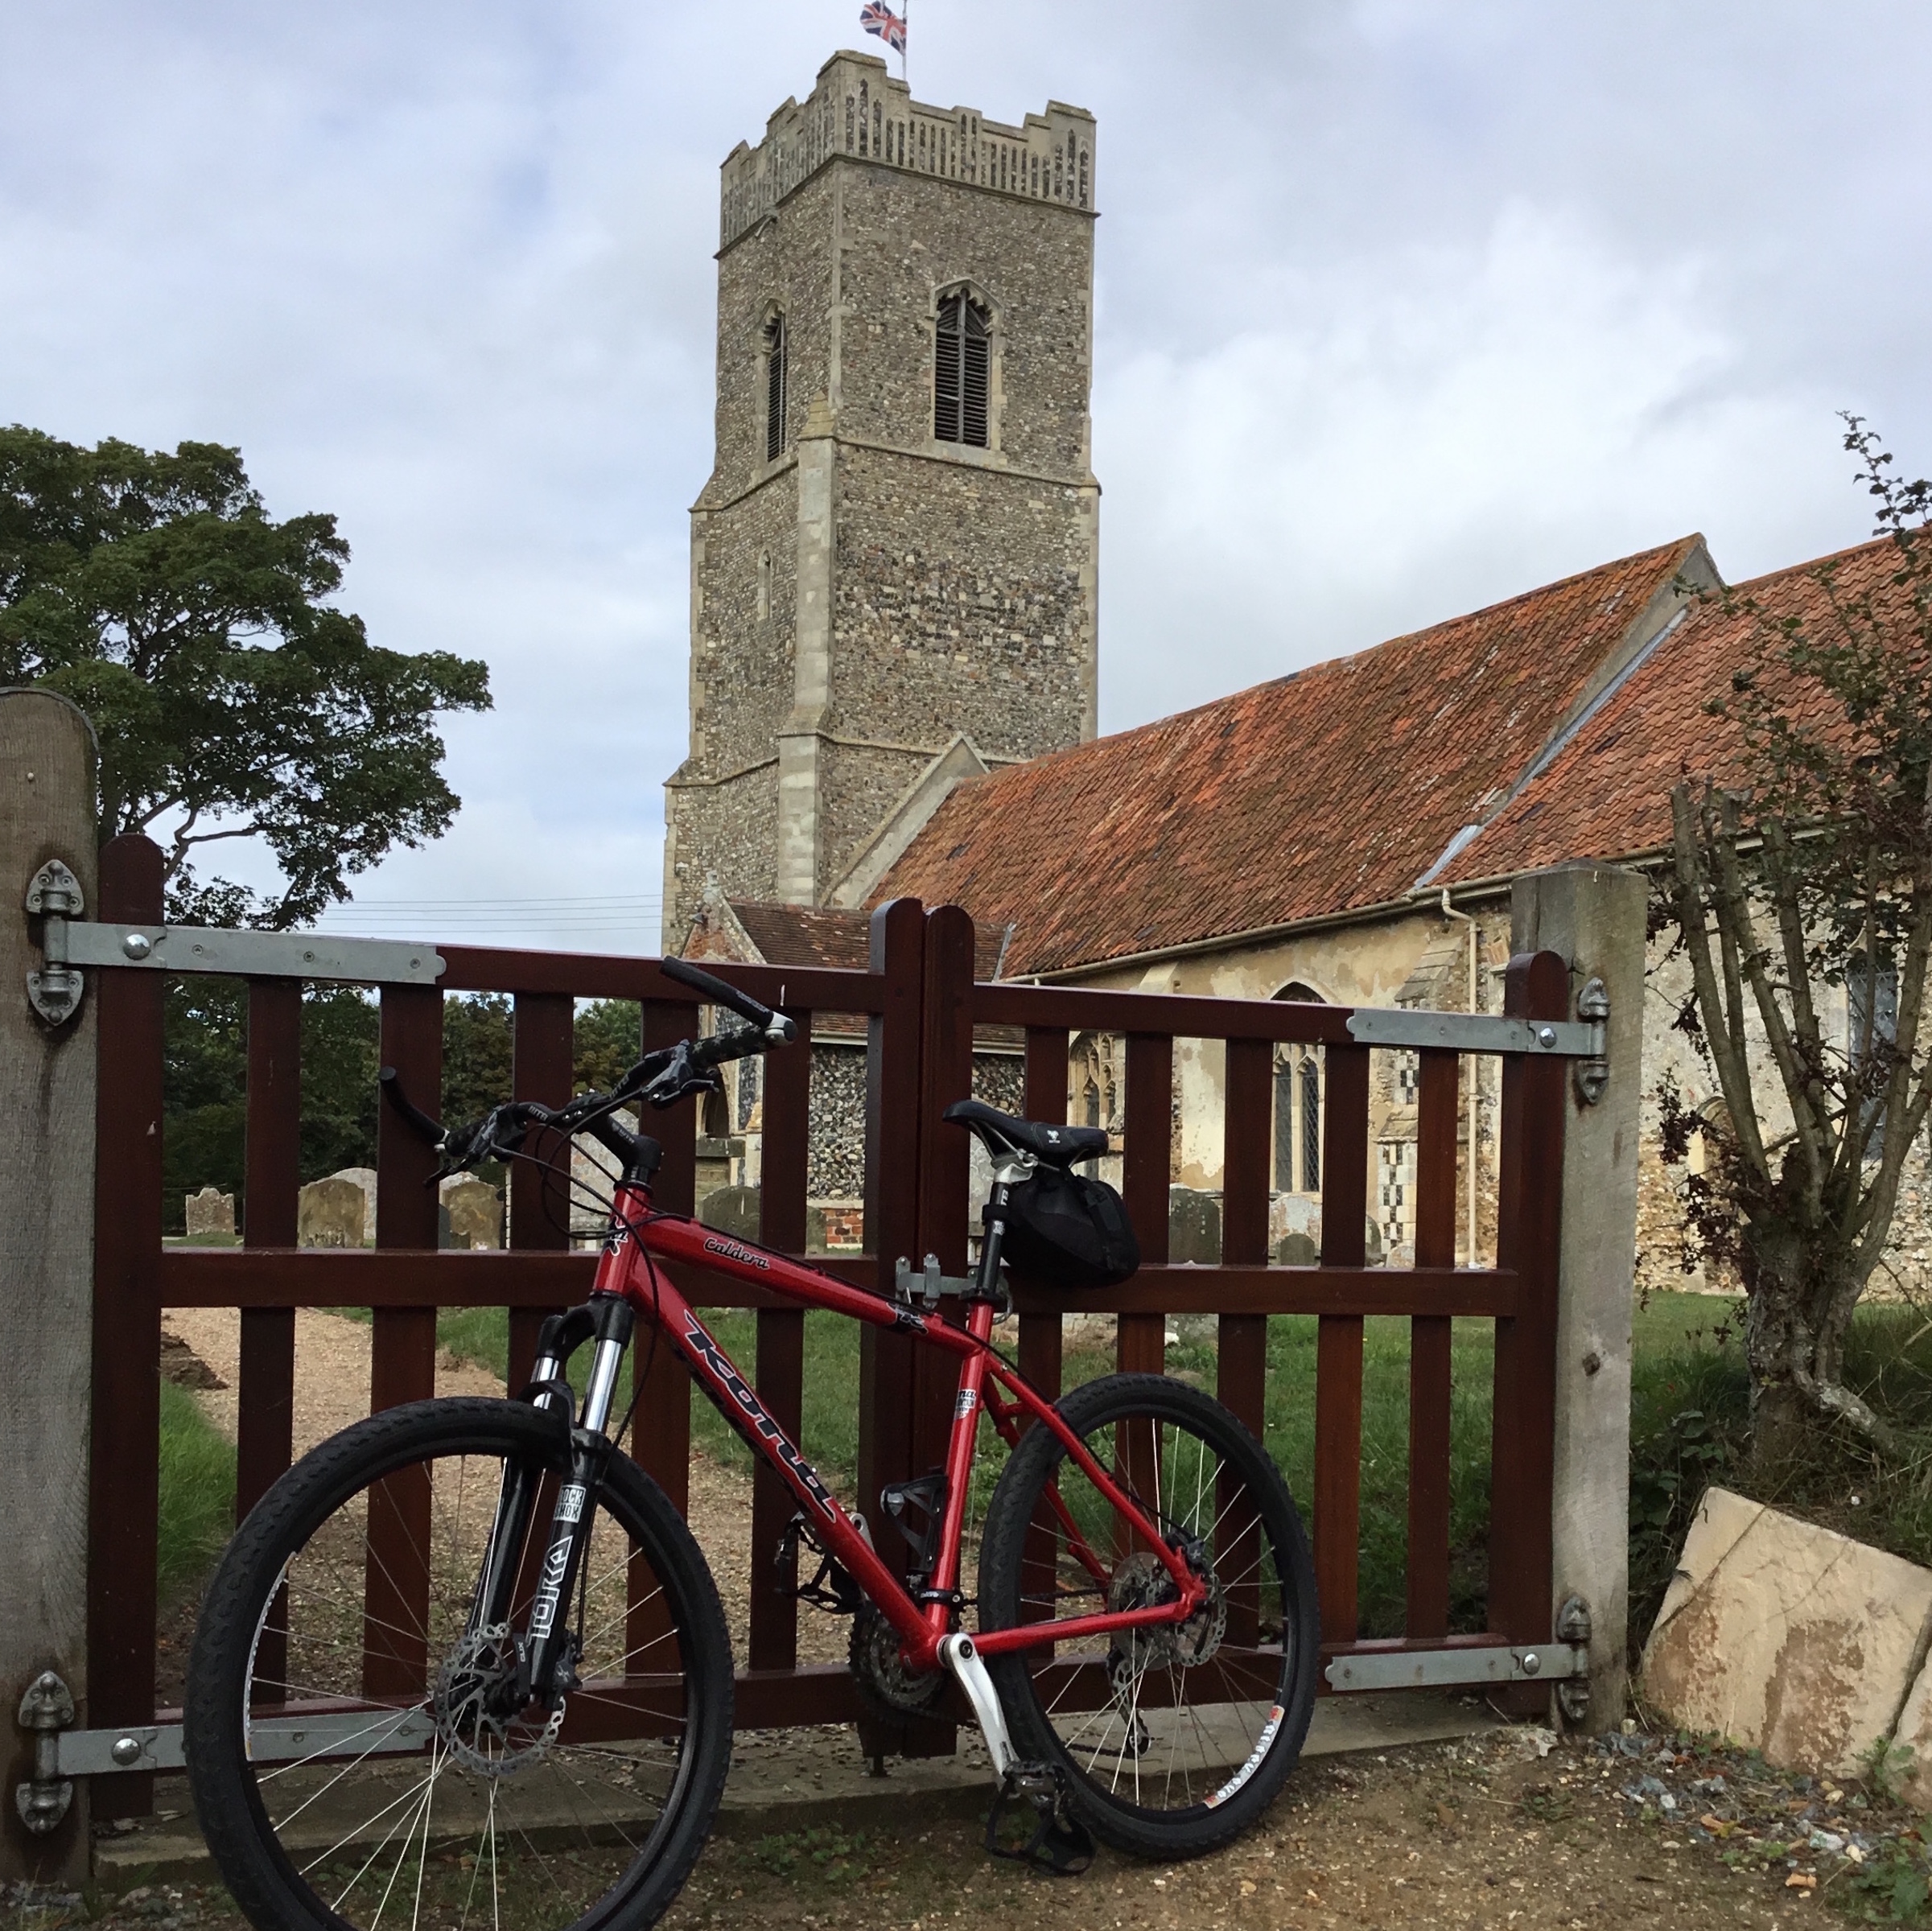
<point x="1528" y="1237"/>
<point x="265" y="1394"/>
<point x="1242" y="1357"/>
<point x="894" y="1128"/>
<point x="402" y="1353"/>
<point x="542" y="1068"/>
<point x="1427" y="1575"/>
<point x="779" y="1372"/>
<point x="661" y="1435"/>
<point x="1140" y="1345"/>
<point x="1344" y="1198"/>
<point x="124" y="1479"/>
<point x="1041" y="1335"/>
<point x="1045" y="1098"/>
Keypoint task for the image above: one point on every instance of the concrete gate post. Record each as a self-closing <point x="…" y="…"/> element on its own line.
<point x="46" y="1263"/>
<point x="1593" y="916"/>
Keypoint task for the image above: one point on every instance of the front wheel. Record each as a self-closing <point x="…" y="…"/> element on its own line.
<point x="358" y="1748"/>
<point x="1171" y="1738"/>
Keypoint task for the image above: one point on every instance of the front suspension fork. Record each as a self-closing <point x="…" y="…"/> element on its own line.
<point x="546" y="1646"/>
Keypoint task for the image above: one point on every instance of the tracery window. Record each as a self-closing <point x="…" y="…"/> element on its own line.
<point x="961" y="372"/>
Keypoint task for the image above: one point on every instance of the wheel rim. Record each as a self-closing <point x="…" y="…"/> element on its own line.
<point x="1171" y="1719"/>
<point x="492" y="1804"/>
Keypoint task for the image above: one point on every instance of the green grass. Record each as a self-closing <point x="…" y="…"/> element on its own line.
<point x="197" y="1492"/>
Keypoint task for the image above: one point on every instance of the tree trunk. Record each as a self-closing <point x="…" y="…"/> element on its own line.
<point x="1795" y="1327"/>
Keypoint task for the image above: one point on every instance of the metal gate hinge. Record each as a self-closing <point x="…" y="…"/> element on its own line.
<point x="1593" y="1009"/>
<point x="1573" y="1627"/>
<point x="47" y="1709"/>
<point x="54" y="896"/>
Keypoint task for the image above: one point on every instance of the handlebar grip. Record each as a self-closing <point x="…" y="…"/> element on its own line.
<point x="718" y="992"/>
<point x="428" y="1129"/>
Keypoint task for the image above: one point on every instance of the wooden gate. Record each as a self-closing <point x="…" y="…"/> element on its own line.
<point x="921" y="1005"/>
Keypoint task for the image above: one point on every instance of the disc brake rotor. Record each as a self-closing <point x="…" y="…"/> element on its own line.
<point x="478" y="1718"/>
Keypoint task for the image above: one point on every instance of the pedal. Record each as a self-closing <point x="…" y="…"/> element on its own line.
<point x="1060" y="1844"/>
<point x="830" y="1586"/>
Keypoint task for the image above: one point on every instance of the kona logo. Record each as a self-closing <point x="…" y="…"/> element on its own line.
<point x="543" y="1610"/>
<point x="730" y="1251"/>
<point x="759" y="1423"/>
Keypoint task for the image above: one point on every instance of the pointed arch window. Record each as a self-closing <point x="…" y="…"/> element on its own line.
<point x="1298" y="1107"/>
<point x="775" y="347"/>
<point x="961" y="372"/>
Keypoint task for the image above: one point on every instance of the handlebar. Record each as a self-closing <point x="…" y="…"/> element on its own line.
<point x="660" y="1079"/>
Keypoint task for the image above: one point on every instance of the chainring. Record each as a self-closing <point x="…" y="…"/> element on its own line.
<point x="473" y="1686"/>
<point x="886" y="1687"/>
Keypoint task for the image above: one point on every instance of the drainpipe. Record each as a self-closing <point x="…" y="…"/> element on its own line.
<point x="1449" y="912"/>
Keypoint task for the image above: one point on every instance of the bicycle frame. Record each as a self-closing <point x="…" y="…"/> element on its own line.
<point x="641" y="1238"/>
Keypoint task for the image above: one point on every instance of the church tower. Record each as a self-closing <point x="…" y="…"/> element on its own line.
<point x="893" y="565"/>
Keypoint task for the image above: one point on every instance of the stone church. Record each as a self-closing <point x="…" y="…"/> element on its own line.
<point x="893" y="563"/>
<point x="894" y="661"/>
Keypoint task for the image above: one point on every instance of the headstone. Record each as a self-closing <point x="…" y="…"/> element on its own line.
<point x="1296" y="1250"/>
<point x="330" y="1213"/>
<point x="474" y="1210"/>
<point x="363" y="1177"/>
<point x="1194" y="1227"/>
<point x="209" y="1211"/>
<point x="732" y="1210"/>
<point x="1785" y="1637"/>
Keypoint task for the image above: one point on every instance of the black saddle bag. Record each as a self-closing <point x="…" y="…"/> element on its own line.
<point x="1068" y="1230"/>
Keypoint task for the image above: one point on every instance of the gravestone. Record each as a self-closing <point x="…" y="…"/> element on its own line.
<point x="1296" y="1250"/>
<point x="1194" y="1227"/>
<point x="473" y="1210"/>
<point x="209" y="1211"/>
<point x="363" y="1177"/>
<point x="330" y="1213"/>
<point x="732" y="1210"/>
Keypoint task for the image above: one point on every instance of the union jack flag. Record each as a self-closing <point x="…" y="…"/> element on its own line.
<point x="888" y="25"/>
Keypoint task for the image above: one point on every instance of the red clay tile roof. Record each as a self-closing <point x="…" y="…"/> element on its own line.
<point x="806" y="934"/>
<point x="1337" y="788"/>
<point x="1608" y="795"/>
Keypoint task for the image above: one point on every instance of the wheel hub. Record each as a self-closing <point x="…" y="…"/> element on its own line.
<point x="1141" y="1582"/>
<point x="483" y="1718"/>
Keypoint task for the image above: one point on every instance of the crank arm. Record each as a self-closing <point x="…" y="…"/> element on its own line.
<point x="960" y="1654"/>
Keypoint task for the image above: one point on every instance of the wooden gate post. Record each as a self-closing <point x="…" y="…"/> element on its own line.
<point x="47" y="1261"/>
<point x="1592" y="915"/>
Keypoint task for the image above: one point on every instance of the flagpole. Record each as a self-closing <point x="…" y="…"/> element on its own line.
<point x="905" y="52"/>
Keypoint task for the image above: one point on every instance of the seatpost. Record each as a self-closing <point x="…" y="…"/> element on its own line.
<point x="1009" y="1170"/>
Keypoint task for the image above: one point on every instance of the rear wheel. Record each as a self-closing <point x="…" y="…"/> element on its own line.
<point x="419" y="1790"/>
<point x="1172" y="1738"/>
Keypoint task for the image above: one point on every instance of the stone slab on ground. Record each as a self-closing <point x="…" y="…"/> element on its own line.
<point x="1786" y="1637"/>
<point x="785" y="1781"/>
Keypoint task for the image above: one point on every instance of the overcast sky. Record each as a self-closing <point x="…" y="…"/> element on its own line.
<point x="1403" y="308"/>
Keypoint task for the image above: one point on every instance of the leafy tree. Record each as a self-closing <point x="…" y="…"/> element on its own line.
<point x="232" y="698"/>
<point x="204" y="1121"/>
<point x="476" y="1064"/>
<point x="1812" y="870"/>
<point x="608" y="1043"/>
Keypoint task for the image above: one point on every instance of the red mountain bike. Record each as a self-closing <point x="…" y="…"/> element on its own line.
<point x="465" y="1658"/>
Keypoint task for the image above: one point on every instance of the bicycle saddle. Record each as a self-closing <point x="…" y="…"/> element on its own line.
<point x="1052" y="1146"/>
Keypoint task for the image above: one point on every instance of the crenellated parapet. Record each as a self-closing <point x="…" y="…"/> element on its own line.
<point x="858" y="108"/>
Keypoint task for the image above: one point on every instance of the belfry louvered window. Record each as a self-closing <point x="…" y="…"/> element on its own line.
<point x="774" y="388"/>
<point x="962" y="368"/>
